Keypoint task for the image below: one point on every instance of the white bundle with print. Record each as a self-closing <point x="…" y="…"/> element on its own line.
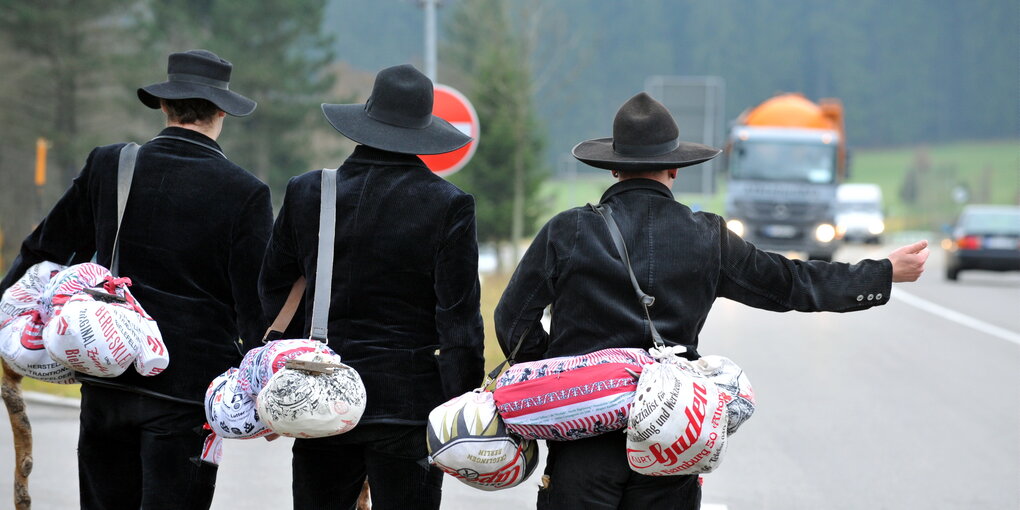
<point x="468" y="440"/>
<point x="230" y="410"/>
<point x="21" y="345"/>
<point x="677" y="425"/>
<point x="303" y="403"/>
<point x="24" y="296"/>
<point x="100" y="336"/>
<point x="260" y="363"/>
<point x="67" y="283"/>
<point x="734" y="387"/>
<point x="21" y="326"/>
<point x="230" y="399"/>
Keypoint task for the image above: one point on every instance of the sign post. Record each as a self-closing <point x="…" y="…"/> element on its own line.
<point x="451" y="106"/>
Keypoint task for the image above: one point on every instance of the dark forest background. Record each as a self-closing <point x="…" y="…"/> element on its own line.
<point x="543" y="75"/>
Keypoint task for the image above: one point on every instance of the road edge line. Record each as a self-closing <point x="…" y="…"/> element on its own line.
<point x="957" y="317"/>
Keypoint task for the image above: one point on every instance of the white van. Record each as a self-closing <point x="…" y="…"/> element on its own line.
<point x="859" y="213"/>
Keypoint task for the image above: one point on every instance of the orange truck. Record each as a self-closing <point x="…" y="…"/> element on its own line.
<point x="785" y="160"/>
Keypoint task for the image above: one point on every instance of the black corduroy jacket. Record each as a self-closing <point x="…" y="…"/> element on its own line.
<point x="684" y="259"/>
<point x="194" y="231"/>
<point x="405" y="297"/>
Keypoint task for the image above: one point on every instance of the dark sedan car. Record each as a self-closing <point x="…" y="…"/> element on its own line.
<point x="985" y="237"/>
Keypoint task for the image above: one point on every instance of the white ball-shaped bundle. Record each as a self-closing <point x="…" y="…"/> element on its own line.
<point x="298" y="403"/>
<point x="21" y="346"/>
<point x="24" y="296"/>
<point x="95" y="338"/>
<point x="677" y="425"/>
<point x="468" y="440"/>
<point x="734" y="387"/>
<point x="67" y="283"/>
<point x="260" y="363"/>
<point x="230" y="410"/>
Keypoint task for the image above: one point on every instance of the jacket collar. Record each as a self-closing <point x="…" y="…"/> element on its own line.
<point x="371" y="155"/>
<point x="641" y="185"/>
<point x="190" y="134"/>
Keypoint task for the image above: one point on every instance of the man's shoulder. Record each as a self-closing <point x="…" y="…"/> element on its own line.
<point x="705" y="217"/>
<point x="307" y="181"/>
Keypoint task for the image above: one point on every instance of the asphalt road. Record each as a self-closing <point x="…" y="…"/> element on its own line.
<point x="912" y="405"/>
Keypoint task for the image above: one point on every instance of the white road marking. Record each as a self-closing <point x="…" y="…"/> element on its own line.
<point x="710" y="506"/>
<point x="953" y="315"/>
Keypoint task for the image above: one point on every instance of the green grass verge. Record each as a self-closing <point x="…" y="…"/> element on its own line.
<point x="61" y="390"/>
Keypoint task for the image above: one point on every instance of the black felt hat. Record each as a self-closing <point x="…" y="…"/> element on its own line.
<point x="645" y="137"/>
<point x="198" y="74"/>
<point x="398" y="116"/>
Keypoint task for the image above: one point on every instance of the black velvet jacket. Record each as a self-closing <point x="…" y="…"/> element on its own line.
<point x="685" y="259"/>
<point x="405" y="293"/>
<point x="193" y="234"/>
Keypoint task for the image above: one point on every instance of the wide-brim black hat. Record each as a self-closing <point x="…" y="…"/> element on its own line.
<point x="198" y="74"/>
<point x="398" y="116"/>
<point x="645" y="137"/>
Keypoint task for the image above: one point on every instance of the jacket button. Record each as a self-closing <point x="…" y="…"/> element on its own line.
<point x="871" y="297"/>
<point x="860" y="297"/>
<point x="878" y="296"/>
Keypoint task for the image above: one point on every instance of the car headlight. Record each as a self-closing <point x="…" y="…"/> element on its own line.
<point x="736" y="226"/>
<point x="825" y="233"/>
<point x="876" y="227"/>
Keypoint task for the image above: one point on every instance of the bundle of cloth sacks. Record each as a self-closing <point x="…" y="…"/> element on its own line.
<point x="677" y="414"/>
<point x="58" y="320"/>
<point x="262" y="396"/>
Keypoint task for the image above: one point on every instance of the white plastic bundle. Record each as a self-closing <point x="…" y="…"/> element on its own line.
<point x="677" y="425"/>
<point x="734" y="387"/>
<point x="230" y="411"/>
<point x="101" y="338"/>
<point x="260" y="363"/>
<point x="21" y="346"/>
<point x="24" y="296"/>
<point x="230" y="400"/>
<point x="300" y="403"/>
<point x="67" y="283"/>
<point x="468" y="440"/>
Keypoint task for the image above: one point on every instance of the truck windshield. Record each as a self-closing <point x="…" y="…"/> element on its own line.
<point x="777" y="161"/>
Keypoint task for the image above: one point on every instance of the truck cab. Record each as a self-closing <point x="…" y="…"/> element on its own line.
<point x="783" y="168"/>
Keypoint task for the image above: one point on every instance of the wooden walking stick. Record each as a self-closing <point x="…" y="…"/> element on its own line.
<point x="365" y="498"/>
<point x="10" y="389"/>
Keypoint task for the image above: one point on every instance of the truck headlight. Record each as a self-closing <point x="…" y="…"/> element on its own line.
<point x="876" y="227"/>
<point x="825" y="233"/>
<point x="736" y="226"/>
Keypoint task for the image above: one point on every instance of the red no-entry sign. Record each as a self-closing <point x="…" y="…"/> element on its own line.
<point x="451" y="106"/>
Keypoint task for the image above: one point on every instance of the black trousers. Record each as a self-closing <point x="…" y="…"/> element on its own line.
<point x="329" y="471"/>
<point x="593" y="474"/>
<point x="137" y="452"/>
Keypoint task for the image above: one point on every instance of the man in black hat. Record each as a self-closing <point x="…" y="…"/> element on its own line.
<point x="192" y="238"/>
<point x="685" y="260"/>
<point x="405" y="293"/>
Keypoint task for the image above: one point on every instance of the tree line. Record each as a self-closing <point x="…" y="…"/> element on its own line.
<point x="72" y="67"/>
<point x="908" y="72"/>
